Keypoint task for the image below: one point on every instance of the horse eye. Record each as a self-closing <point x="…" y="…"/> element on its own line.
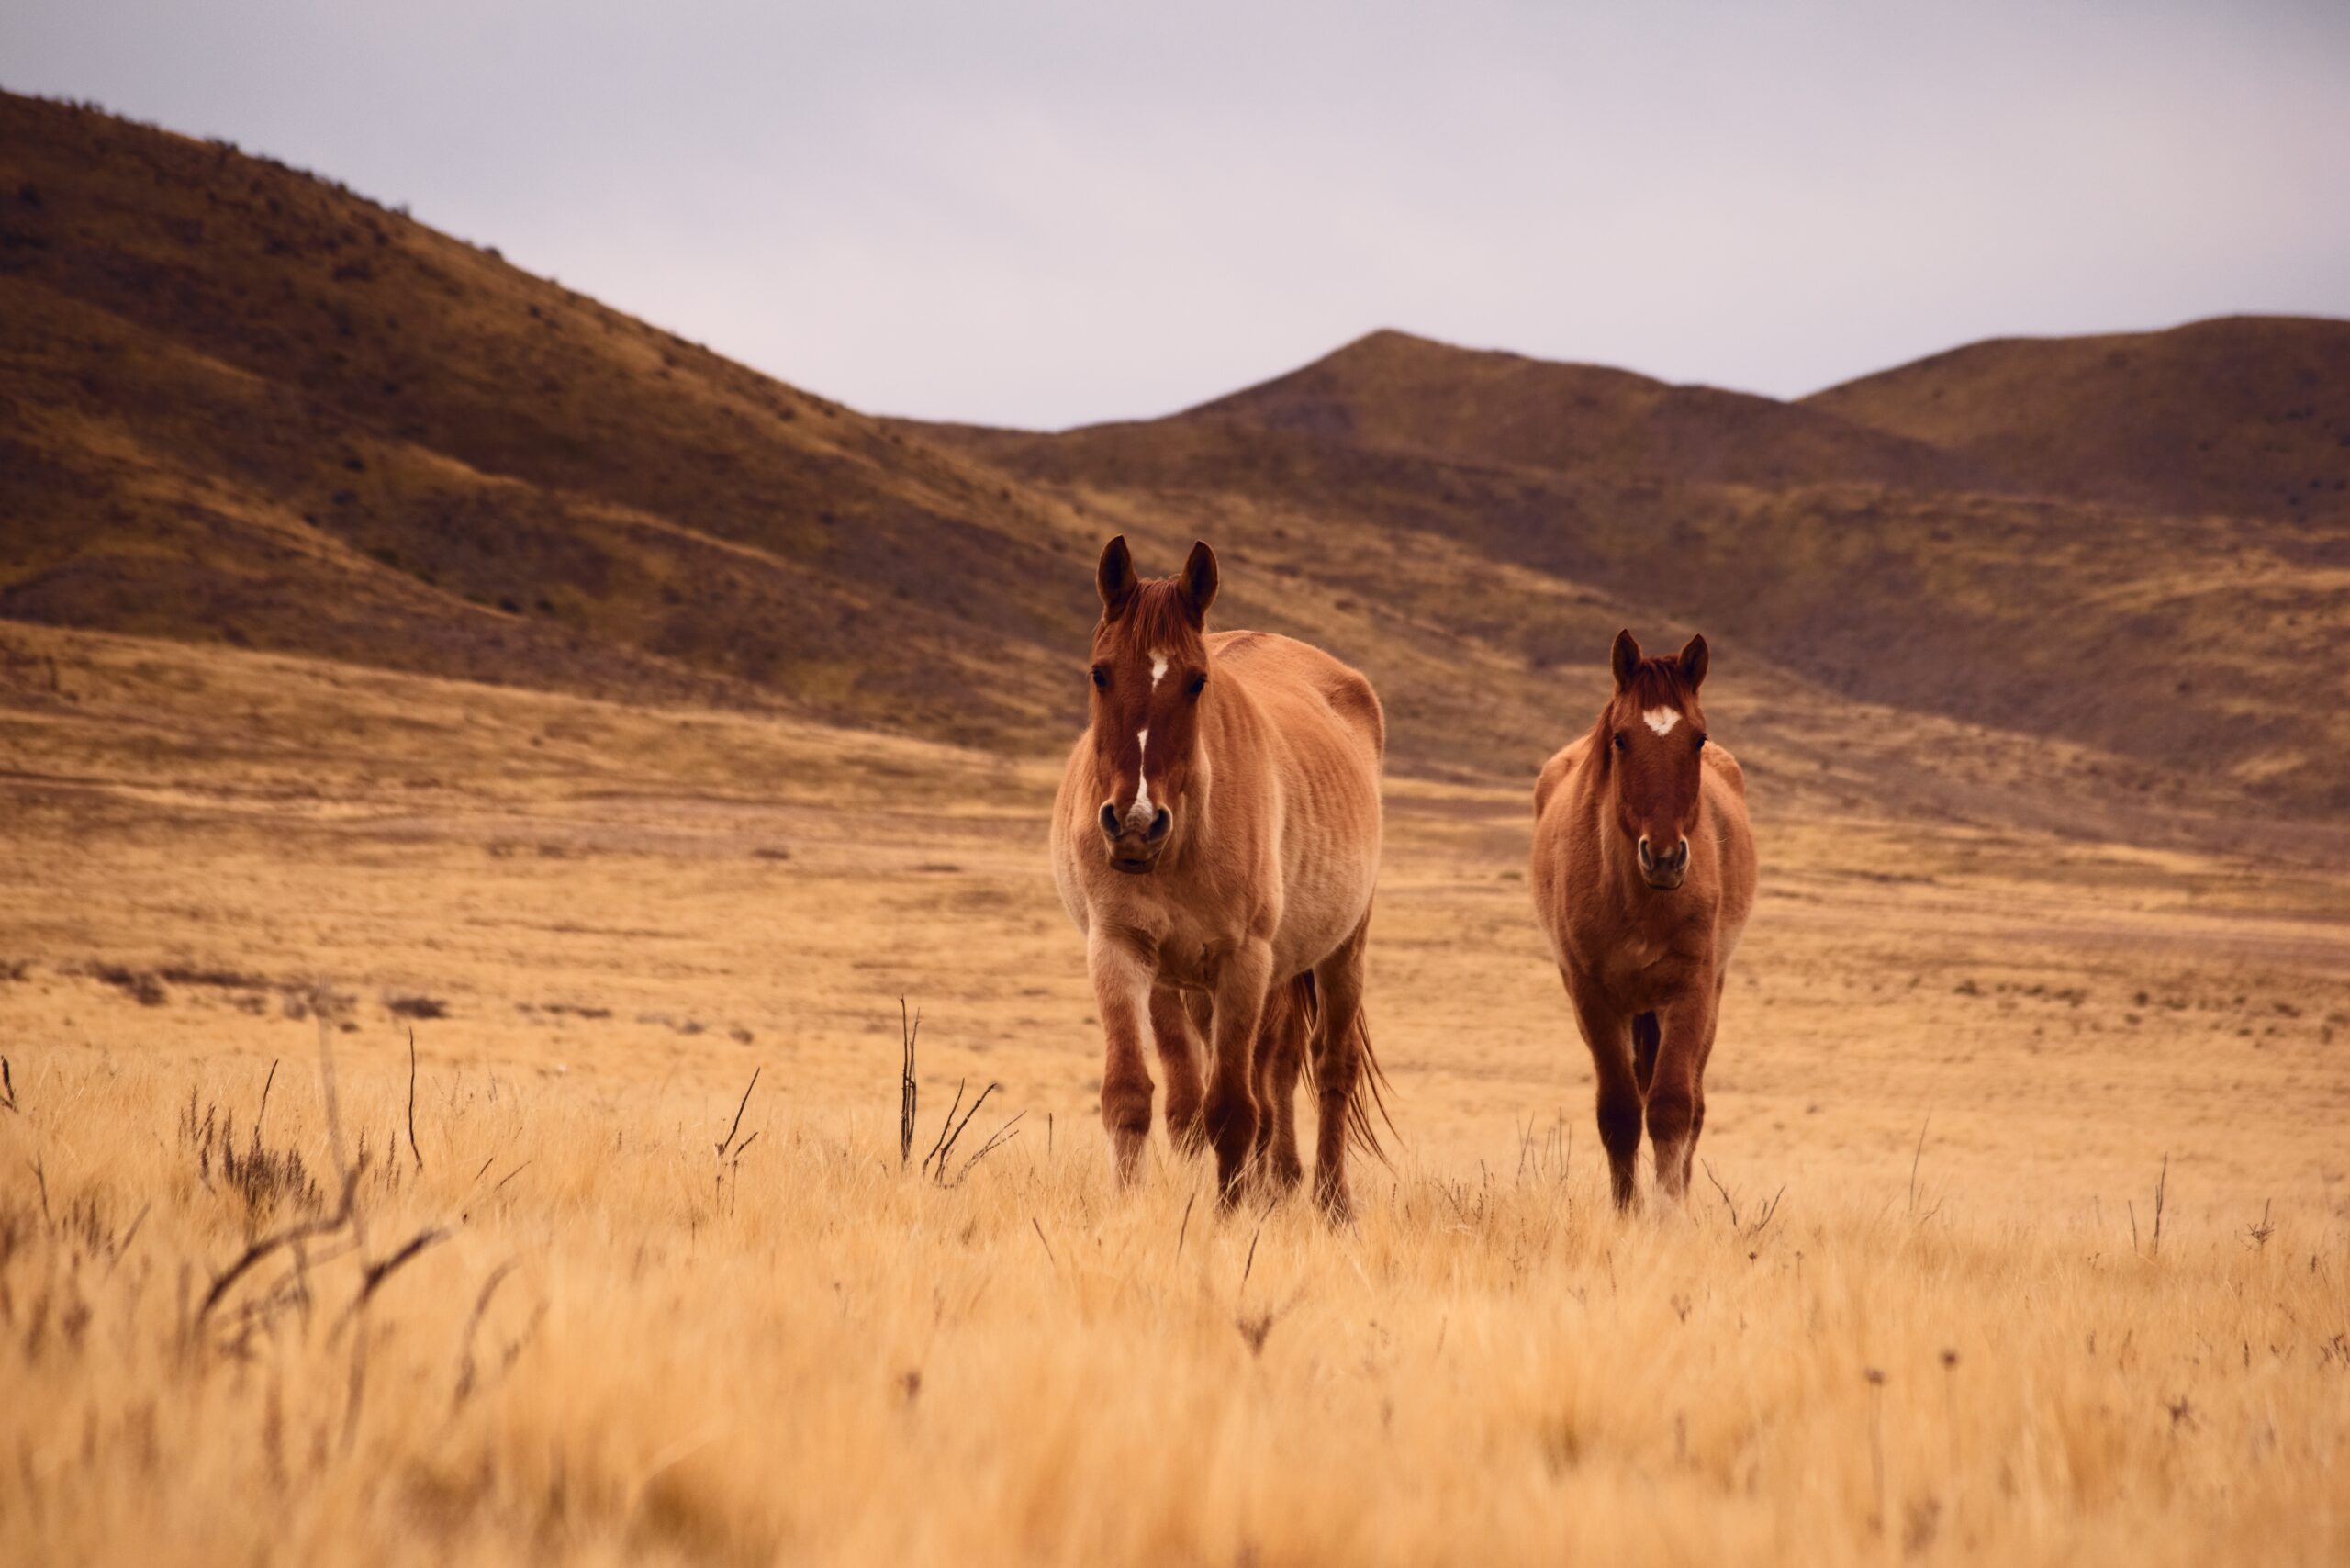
<point x="1101" y="678"/>
<point x="1196" y="685"/>
<point x="1623" y="741"/>
<point x="1701" y="740"/>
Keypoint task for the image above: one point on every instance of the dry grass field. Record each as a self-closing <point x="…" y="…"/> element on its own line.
<point x="459" y="1122"/>
<point x="2029" y="1241"/>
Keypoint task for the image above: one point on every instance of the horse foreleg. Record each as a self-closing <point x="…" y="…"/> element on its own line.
<point x="1676" y="1109"/>
<point x="1122" y="990"/>
<point x="1610" y="1035"/>
<point x="1231" y="1099"/>
<point x="1178" y="1058"/>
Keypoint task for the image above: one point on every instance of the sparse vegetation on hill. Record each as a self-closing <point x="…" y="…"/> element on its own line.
<point x="249" y="407"/>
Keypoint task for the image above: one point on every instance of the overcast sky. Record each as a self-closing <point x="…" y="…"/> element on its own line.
<point x="1044" y="214"/>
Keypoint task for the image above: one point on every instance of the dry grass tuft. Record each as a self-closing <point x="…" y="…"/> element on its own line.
<point x="830" y="1357"/>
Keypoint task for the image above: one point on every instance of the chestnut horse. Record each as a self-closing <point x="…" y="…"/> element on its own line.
<point x="1216" y="841"/>
<point x="1643" y="877"/>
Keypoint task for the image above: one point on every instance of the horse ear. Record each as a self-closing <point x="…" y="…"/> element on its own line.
<point x="1693" y="662"/>
<point x="1115" y="577"/>
<point x="1199" y="582"/>
<point x="1625" y="657"/>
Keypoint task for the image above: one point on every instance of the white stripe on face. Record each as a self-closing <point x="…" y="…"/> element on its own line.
<point x="1158" y="668"/>
<point x="1142" y="780"/>
<point x="1662" y="720"/>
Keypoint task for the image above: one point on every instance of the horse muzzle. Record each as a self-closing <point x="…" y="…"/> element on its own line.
<point x="1664" y="873"/>
<point x="1134" y="844"/>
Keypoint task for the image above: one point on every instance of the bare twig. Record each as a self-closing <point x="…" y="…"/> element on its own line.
<point x="1186" y="1229"/>
<point x="2258" y="1235"/>
<point x="745" y="1101"/>
<point x="960" y="1084"/>
<point x="269" y="1244"/>
<point x="1001" y="1136"/>
<point x="7" y="1086"/>
<point x="909" y="1091"/>
<point x="377" y="1273"/>
<point x="411" y="1099"/>
<point x="1040" y="1237"/>
<point x="948" y="1140"/>
<point x="261" y="1115"/>
<point x="1728" y="1202"/>
<point x="1769" y="1209"/>
<point x="2162" y="1190"/>
<point x="466" y="1366"/>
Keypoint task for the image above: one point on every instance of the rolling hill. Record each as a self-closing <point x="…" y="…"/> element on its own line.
<point x="246" y="406"/>
<point x="1901" y="565"/>
<point x="2243" y="416"/>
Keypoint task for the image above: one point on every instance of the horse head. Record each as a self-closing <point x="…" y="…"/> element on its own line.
<point x="1149" y="673"/>
<point x="1650" y="737"/>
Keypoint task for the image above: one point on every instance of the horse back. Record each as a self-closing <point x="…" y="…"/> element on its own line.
<point x="1280" y="672"/>
<point x="1557" y="771"/>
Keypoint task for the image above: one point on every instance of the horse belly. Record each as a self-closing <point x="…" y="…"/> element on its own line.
<point x="1331" y="862"/>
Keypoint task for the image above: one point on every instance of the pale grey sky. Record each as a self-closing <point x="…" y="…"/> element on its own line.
<point x="1047" y="214"/>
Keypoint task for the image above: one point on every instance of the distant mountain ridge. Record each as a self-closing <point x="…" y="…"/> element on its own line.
<point x="245" y="406"/>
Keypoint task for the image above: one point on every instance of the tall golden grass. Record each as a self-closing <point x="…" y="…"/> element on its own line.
<point x="581" y="1321"/>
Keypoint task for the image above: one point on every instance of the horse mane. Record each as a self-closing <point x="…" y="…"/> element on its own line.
<point x="1156" y="616"/>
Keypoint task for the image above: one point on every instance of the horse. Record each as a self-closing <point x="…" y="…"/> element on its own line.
<point x="1215" y="840"/>
<point x="1643" y="877"/>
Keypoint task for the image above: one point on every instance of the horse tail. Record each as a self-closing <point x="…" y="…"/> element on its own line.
<point x="1371" y="1083"/>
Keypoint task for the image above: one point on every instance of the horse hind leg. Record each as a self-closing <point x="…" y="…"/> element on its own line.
<point x="1280" y="1058"/>
<point x="1338" y="1068"/>
<point x="1646" y="1036"/>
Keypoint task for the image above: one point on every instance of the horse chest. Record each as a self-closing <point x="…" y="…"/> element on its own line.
<point x="1640" y="965"/>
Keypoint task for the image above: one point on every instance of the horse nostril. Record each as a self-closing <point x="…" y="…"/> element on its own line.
<point x="1110" y="820"/>
<point x="1160" y="824"/>
<point x="1682" y="857"/>
<point x="1648" y="856"/>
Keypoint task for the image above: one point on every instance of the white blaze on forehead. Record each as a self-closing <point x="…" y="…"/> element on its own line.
<point x="1158" y="668"/>
<point x="1662" y="720"/>
<point x="1142" y="780"/>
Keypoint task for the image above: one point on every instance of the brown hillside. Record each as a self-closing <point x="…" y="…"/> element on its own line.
<point x="1391" y="389"/>
<point x="2246" y="416"/>
<point x="248" y="404"/>
<point x="2187" y="643"/>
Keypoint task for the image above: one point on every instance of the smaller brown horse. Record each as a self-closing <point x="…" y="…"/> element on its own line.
<point x="1216" y="839"/>
<point x="1643" y="877"/>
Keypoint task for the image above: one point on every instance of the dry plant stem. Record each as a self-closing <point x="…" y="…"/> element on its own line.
<point x="1915" y="1155"/>
<point x="739" y="1108"/>
<point x="946" y="1139"/>
<point x="908" y="1091"/>
<point x="411" y="1101"/>
<point x="1001" y="1136"/>
<point x="466" y="1368"/>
